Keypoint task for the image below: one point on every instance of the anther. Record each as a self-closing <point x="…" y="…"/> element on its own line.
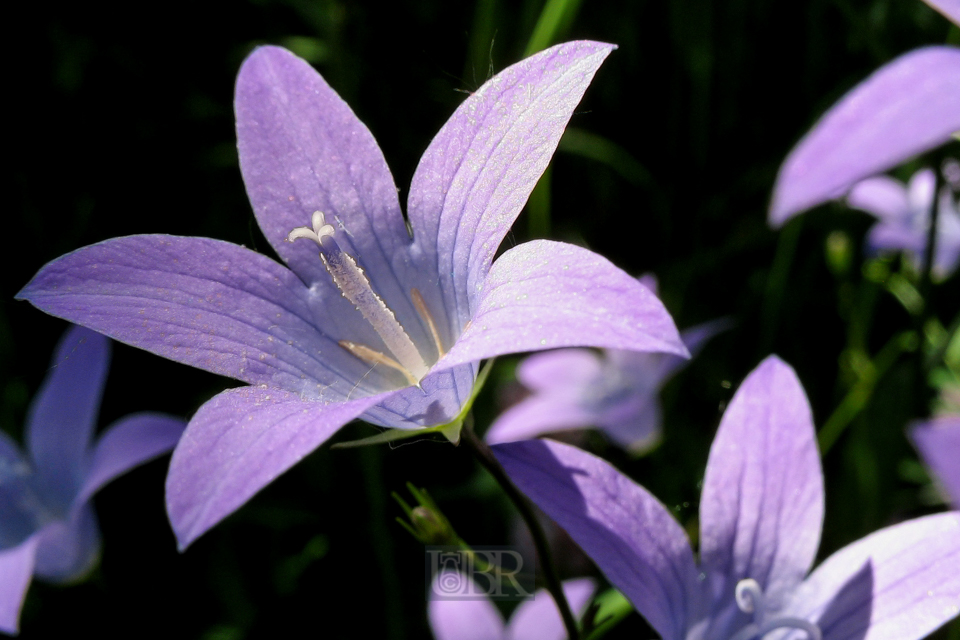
<point x="375" y="357"/>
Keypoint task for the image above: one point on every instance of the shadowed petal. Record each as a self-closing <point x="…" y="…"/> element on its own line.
<point x="129" y="442"/>
<point x="908" y="106"/>
<point x="19" y="517"/>
<point x="462" y="619"/>
<point x="16" y="569"/>
<point x="68" y="549"/>
<point x="478" y="171"/>
<point x="64" y="412"/>
<point x="208" y="304"/>
<point x="539" y="619"/>
<point x="762" y="504"/>
<point x="634" y="540"/>
<point x="899" y="583"/>
<point x="543" y="295"/>
<point x="236" y="444"/>
<point x="949" y="8"/>
<point x="939" y="443"/>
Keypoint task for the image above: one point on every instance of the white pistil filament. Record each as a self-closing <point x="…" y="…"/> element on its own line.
<point x="749" y="598"/>
<point x="355" y="287"/>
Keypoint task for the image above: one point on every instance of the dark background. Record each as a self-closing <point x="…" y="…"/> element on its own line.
<point x="120" y="122"/>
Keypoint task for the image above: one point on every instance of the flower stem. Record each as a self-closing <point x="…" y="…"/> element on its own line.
<point x="485" y="457"/>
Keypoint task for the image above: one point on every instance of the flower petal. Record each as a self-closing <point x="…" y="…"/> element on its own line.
<point x="939" y="443"/>
<point x="899" y="583"/>
<point x="544" y="295"/>
<point x="478" y="171"/>
<point x="130" y="442"/>
<point x="633" y="538"/>
<point x="63" y="414"/>
<point x="537" y="415"/>
<point x="908" y="106"/>
<point x="562" y="371"/>
<point x="211" y="305"/>
<point x="539" y="619"/>
<point x="882" y="197"/>
<point x="302" y="149"/>
<point x="239" y="442"/>
<point x="16" y="569"/>
<point x="19" y="517"/>
<point x="68" y="549"/>
<point x="762" y="504"/>
<point x="949" y="8"/>
<point x="455" y="619"/>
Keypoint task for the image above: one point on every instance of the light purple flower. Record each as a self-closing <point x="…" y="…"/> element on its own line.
<point x="534" y="619"/>
<point x="908" y="106"/>
<point x="904" y="218"/>
<point x="614" y="390"/>
<point x="949" y="8"/>
<point x="760" y="520"/>
<point x="938" y="441"/>
<point x="397" y="343"/>
<point x="47" y="524"/>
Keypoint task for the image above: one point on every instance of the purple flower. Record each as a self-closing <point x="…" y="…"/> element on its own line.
<point x="47" y="524"/>
<point x="376" y="317"/>
<point x="904" y="218"/>
<point x="949" y="8"/>
<point x="534" y="619"/>
<point x="614" y="390"/>
<point x="938" y="441"/>
<point x="908" y="106"/>
<point x="760" y="519"/>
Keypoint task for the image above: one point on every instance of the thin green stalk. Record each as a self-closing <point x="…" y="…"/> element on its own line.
<point x="485" y="457"/>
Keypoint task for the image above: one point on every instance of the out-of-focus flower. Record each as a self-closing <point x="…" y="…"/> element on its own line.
<point x="615" y="390"/>
<point x="908" y="106"/>
<point x="949" y="8"/>
<point x="760" y="520"/>
<point x="388" y="322"/>
<point x="938" y="442"/>
<point x="47" y="524"/>
<point x="904" y="214"/>
<point x="479" y="619"/>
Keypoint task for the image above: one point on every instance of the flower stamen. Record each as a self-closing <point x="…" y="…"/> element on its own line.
<point x="424" y="312"/>
<point x="355" y="287"/>
<point x="749" y="598"/>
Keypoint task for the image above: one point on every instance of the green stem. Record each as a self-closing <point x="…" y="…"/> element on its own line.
<point x="858" y="396"/>
<point x="485" y="457"/>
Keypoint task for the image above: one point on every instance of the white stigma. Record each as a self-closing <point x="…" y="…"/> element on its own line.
<point x="355" y="287"/>
<point x="749" y="599"/>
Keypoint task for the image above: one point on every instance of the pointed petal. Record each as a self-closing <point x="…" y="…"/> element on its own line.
<point x="908" y="106"/>
<point x="128" y="443"/>
<point x="938" y="441"/>
<point x="762" y="504"/>
<point x="239" y="442"/>
<point x="211" y="305"/>
<point x="899" y="583"/>
<point x="302" y="150"/>
<point x="631" y="537"/>
<point x="476" y="175"/>
<point x="544" y="295"/>
<point x="64" y="412"/>
<point x="69" y="549"/>
<point x="539" y="619"/>
<point x="16" y="570"/>
<point x="454" y="619"/>
<point x="949" y="8"/>
<point x="882" y="197"/>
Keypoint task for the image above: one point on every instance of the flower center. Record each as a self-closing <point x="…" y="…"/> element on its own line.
<point x="355" y="287"/>
<point x="749" y="599"/>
